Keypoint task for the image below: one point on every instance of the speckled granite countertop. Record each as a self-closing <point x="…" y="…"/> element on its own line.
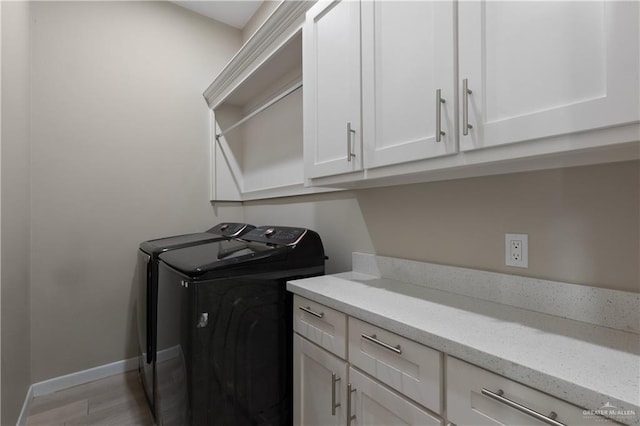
<point x="586" y="364"/>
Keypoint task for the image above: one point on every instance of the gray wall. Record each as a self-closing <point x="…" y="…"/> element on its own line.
<point x="336" y="216"/>
<point x="583" y="222"/>
<point x="120" y="142"/>
<point x="16" y="345"/>
<point x="259" y="16"/>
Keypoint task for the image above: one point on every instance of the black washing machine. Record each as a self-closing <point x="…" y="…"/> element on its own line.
<point x="224" y="328"/>
<point x="147" y="291"/>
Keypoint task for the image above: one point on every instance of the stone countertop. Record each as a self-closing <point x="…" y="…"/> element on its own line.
<point x="585" y="364"/>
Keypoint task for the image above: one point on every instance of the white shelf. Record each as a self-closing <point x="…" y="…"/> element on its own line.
<point x="272" y="35"/>
<point x="257" y="136"/>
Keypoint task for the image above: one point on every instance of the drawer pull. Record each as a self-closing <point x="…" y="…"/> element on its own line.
<point x="465" y="107"/>
<point x="350" y="132"/>
<point x="550" y="419"/>
<point x="350" y="417"/>
<point x="397" y="349"/>
<point x="439" y="102"/>
<point x="309" y="311"/>
<point x="334" y="379"/>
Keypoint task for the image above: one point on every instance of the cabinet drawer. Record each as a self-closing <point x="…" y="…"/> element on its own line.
<point x="467" y="405"/>
<point x="322" y="325"/>
<point x="409" y="367"/>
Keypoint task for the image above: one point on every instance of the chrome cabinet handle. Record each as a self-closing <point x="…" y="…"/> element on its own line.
<point x="439" y="102"/>
<point x="350" y="131"/>
<point x="550" y="419"/>
<point x="309" y="311"/>
<point x="465" y="107"/>
<point x="334" y="379"/>
<point x="397" y="349"/>
<point x="350" y="416"/>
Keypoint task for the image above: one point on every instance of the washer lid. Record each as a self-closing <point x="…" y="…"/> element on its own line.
<point x="231" y="229"/>
<point x="220" y="231"/>
<point x="160" y="245"/>
<point x="276" y="235"/>
<point x="198" y="260"/>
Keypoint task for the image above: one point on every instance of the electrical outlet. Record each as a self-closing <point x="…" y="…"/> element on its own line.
<point x="516" y="250"/>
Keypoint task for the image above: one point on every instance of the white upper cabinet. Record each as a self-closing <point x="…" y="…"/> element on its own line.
<point x="545" y="68"/>
<point x="407" y="67"/>
<point x="411" y="91"/>
<point x="331" y="77"/>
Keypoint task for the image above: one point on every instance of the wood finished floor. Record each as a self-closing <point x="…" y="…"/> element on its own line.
<point x="117" y="400"/>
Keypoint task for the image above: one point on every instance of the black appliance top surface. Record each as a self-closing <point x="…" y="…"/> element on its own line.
<point x="197" y="260"/>
<point x="265" y="243"/>
<point x="219" y="232"/>
<point x="230" y="229"/>
<point x="277" y="235"/>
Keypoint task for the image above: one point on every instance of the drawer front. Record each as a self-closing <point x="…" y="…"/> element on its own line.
<point x="467" y="405"/>
<point x="322" y="325"/>
<point x="402" y="364"/>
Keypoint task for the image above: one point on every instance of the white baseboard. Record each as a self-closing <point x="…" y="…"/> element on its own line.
<point x="22" y="418"/>
<point x="170" y="353"/>
<point x="74" y="379"/>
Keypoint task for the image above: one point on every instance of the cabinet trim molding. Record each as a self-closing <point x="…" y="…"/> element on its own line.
<point x="242" y="63"/>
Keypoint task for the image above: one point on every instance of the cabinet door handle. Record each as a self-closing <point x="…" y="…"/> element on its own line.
<point x="465" y="107"/>
<point x="550" y="419"/>
<point x="350" y="416"/>
<point x="334" y="379"/>
<point x="397" y="349"/>
<point x="439" y="102"/>
<point x="309" y="311"/>
<point x="350" y="131"/>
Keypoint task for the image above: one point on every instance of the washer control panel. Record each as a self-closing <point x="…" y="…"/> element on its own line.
<point x="277" y="235"/>
<point x="230" y="229"/>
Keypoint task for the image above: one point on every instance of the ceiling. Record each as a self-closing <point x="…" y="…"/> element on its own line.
<point x="235" y="13"/>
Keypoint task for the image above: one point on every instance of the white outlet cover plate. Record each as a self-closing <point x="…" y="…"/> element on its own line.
<point x="524" y="260"/>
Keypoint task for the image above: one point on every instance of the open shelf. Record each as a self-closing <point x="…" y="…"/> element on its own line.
<point x="257" y="135"/>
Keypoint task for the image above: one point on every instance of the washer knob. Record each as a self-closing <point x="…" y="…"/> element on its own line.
<point x="269" y="232"/>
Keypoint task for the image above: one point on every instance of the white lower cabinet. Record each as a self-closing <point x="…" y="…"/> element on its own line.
<point x="477" y="397"/>
<point x="328" y="391"/>
<point x="384" y="379"/>
<point x="319" y="389"/>
<point x="374" y="404"/>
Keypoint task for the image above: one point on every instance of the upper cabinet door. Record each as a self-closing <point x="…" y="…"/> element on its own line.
<point x="545" y="68"/>
<point x="331" y="78"/>
<point x="407" y="62"/>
